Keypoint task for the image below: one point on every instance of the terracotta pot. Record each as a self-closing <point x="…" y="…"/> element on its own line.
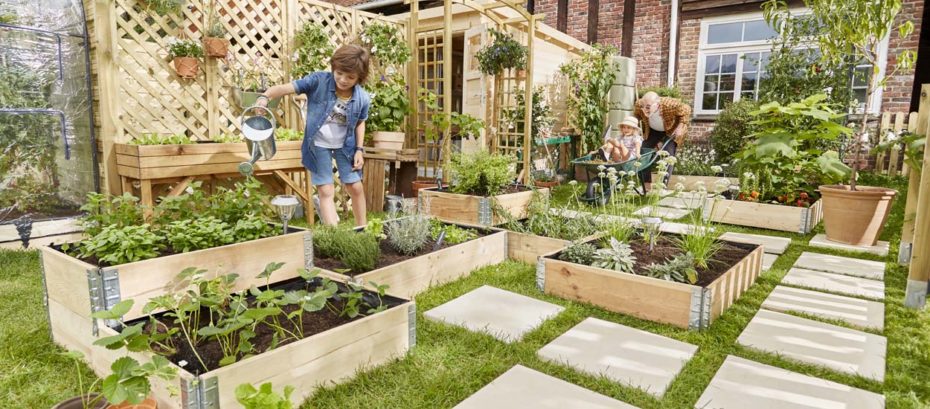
<point x="149" y="403"/>
<point x="186" y="67"/>
<point x="422" y="184"/>
<point x="215" y="47"/>
<point x="855" y="217"/>
<point x="76" y="403"/>
<point x="550" y="183"/>
<point x="388" y="140"/>
<point x="521" y="74"/>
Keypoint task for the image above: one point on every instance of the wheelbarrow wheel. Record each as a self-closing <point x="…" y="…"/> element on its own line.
<point x="595" y="195"/>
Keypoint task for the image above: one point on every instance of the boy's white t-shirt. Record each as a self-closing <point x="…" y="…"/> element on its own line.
<point x="332" y="134"/>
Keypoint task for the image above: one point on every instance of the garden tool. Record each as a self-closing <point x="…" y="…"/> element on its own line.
<point x="259" y="137"/>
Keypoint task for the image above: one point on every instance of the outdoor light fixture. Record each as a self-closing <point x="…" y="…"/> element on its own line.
<point x="286" y="205"/>
<point x="651" y="227"/>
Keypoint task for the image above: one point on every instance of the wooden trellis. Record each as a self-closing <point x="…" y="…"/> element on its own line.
<point x="892" y="163"/>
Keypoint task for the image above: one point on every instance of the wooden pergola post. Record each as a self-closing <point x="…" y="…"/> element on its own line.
<point x="913" y="189"/>
<point x="919" y="275"/>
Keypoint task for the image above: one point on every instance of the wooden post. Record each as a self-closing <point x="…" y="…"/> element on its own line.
<point x="107" y="85"/>
<point x="528" y="98"/>
<point x="447" y="87"/>
<point x="413" y="80"/>
<point x="919" y="275"/>
<point x="918" y="125"/>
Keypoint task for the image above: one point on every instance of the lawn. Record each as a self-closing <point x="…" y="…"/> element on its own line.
<point x="450" y="363"/>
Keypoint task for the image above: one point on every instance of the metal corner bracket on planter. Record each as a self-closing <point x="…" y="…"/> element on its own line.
<point x="475" y="210"/>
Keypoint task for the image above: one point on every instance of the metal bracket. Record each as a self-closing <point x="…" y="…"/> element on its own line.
<point x="412" y="329"/>
<point x="103" y="290"/>
<point x="541" y="274"/>
<point x="48" y="314"/>
<point x="904" y="253"/>
<point x="308" y="250"/>
<point x="700" y="308"/>
<point x="485" y="215"/>
<point x="915" y="296"/>
<point x="199" y="393"/>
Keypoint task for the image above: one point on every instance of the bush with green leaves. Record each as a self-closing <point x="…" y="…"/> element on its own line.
<point x="679" y="269"/>
<point x="361" y="253"/>
<point x="617" y="256"/>
<point x="178" y="48"/>
<point x="251" y="227"/>
<point x="197" y="234"/>
<point x="313" y="50"/>
<point x="158" y="139"/>
<point x="263" y="397"/>
<point x="386" y="43"/>
<point x="732" y="130"/>
<point x="409" y="234"/>
<point x="326" y="240"/>
<point x="504" y="52"/>
<point x="121" y="244"/>
<point x="481" y="173"/>
<point x="590" y="78"/>
<point x="228" y="137"/>
<point x="102" y="210"/>
<point x="454" y="234"/>
<point x="287" y="134"/>
<point x="701" y="241"/>
<point x="579" y="253"/>
<point x="669" y="92"/>
<point x="389" y="105"/>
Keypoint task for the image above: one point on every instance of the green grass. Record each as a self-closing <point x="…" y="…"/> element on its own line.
<point x="450" y="363"/>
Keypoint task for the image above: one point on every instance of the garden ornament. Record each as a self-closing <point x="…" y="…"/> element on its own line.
<point x="651" y="226"/>
<point x="259" y="137"/>
<point x="286" y="206"/>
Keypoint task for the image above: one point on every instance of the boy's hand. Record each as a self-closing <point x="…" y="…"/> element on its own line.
<point x="262" y="102"/>
<point x="359" y="160"/>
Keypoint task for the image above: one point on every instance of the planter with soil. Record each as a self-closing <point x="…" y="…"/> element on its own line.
<point x="330" y="347"/>
<point x="855" y="217"/>
<point x="795" y="219"/>
<point x="523" y="244"/>
<point x="693" y="306"/>
<point x="85" y="286"/>
<point x="477" y="210"/>
<point x="407" y="275"/>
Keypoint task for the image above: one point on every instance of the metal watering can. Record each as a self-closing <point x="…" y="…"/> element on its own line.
<point x="259" y="137"/>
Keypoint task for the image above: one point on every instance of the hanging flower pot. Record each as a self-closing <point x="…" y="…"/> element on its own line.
<point x="186" y="56"/>
<point x="187" y="67"/>
<point x="216" y="47"/>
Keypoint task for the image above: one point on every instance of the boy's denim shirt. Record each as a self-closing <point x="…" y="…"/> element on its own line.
<point x="320" y="88"/>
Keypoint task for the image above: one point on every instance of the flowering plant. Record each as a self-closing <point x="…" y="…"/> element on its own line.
<point x="183" y="48"/>
<point x="254" y="77"/>
<point x="505" y="52"/>
<point x="313" y="50"/>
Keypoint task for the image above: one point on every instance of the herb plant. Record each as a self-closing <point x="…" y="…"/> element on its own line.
<point x="119" y="245"/>
<point x="263" y="397"/>
<point x="387" y="44"/>
<point x="701" y="241"/>
<point x="102" y="210"/>
<point x="454" y="234"/>
<point x="481" y="173"/>
<point x="618" y="257"/>
<point x="228" y="137"/>
<point x="326" y="240"/>
<point x="157" y="139"/>
<point x="389" y="104"/>
<point x="361" y="253"/>
<point x="287" y="134"/>
<point x="679" y="269"/>
<point x="579" y="253"/>
<point x="198" y="233"/>
<point x="408" y="235"/>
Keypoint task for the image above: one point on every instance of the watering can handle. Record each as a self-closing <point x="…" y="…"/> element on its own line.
<point x="267" y="111"/>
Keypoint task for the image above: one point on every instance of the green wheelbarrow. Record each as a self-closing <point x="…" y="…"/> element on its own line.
<point x="598" y="190"/>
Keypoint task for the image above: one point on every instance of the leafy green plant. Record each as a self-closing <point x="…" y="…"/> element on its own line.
<point x="503" y="53"/>
<point x="121" y="244"/>
<point x="156" y="139"/>
<point x="731" y="131"/>
<point x="481" y="173"/>
<point x="101" y="210"/>
<point x="184" y="48"/>
<point x="617" y="228"/>
<point x="579" y="253"/>
<point x="326" y="240"/>
<point x="913" y="147"/>
<point x="163" y="7"/>
<point x="618" y="257"/>
<point x="454" y="234"/>
<point x="543" y="118"/>
<point x="361" y="253"/>
<point x="409" y="234"/>
<point x="263" y="397"/>
<point x="590" y="79"/>
<point x="229" y="137"/>
<point x="389" y="105"/>
<point x="542" y="221"/>
<point x="128" y="381"/>
<point x="386" y="43"/>
<point x="467" y="125"/>
<point x="679" y="269"/>
<point x="199" y="233"/>
<point x="701" y="241"/>
<point x="670" y="92"/>
<point x="287" y="134"/>
<point x="313" y="50"/>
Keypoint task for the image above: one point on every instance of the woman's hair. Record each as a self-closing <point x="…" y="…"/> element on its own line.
<point x="353" y="59"/>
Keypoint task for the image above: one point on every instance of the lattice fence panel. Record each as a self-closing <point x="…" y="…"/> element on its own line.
<point x="430" y="77"/>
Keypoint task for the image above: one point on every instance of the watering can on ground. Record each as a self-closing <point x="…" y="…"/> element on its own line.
<point x="259" y="137"/>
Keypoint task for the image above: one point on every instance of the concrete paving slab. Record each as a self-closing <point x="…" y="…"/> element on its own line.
<point x="820" y="240"/>
<point x="768" y="260"/>
<point x="874" y="270"/>
<point x="855" y="311"/>
<point x="835" y="283"/>
<point x="838" y="348"/>
<point x="627" y="355"/>
<point x="770" y="244"/>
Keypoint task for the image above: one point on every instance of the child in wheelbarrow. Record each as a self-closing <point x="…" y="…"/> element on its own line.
<point x="335" y="131"/>
<point x="627" y="145"/>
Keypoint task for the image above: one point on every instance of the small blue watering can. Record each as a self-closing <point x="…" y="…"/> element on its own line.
<point x="259" y="137"/>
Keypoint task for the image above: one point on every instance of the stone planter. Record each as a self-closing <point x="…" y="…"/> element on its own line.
<point x="855" y="217"/>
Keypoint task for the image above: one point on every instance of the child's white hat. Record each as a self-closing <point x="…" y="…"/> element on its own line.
<point x="630" y="121"/>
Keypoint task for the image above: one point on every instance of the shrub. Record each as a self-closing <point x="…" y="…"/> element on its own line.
<point x="326" y="240"/>
<point x="671" y="92"/>
<point x="579" y="253"/>
<point x="505" y="52"/>
<point x="103" y="210"/>
<point x="454" y="234"/>
<point x="121" y="244"/>
<point x="252" y="227"/>
<point x="361" y="252"/>
<point x="198" y="233"/>
<point x="481" y="173"/>
<point x="409" y="234"/>
<point x="313" y="50"/>
<point x="618" y="257"/>
<point x="733" y="127"/>
<point x="679" y="269"/>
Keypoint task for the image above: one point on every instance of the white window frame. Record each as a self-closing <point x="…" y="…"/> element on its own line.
<point x="705" y="49"/>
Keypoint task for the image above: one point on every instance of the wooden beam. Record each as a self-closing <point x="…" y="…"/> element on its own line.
<point x="561" y="23"/>
<point x="594" y="7"/>
<point x="919" y="274"/>
<point x="178" y="188"/>
<point x="626" y="35"/>
<point x="108" y="89"/>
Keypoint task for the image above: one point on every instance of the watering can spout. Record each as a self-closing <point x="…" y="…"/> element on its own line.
<point x="259" y="137"/>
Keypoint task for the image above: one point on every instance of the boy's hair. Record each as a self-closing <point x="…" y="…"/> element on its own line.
<point x="353" y="59"/>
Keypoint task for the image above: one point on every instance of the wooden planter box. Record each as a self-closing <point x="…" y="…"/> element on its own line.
<point x="529" y="247"/>
<point x="765" y="215"/>
<point x="84" y="288"/>
<point x="321" y="359"/>
<point x="682" y="305"/>
<point x="413" y="276"/>
<point x="691" y="182"/>
<point x="169" y="161"/>
<point x="474" y="210"/>
<point x="42" y="233"/>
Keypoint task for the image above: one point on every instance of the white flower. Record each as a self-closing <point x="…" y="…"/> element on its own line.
<point x="601" y="175"/>
<point x="671" y="160"/>
<point x="749" y="175"/>
<point x="663" y="153"/>
<point x="637" y="164"/>
<point x="679" y="186"/>
<point x="182" y="363"/>
<point x="601" y="167"/>
<point x="612" y="170"/>
<point x="572" y="182"/>
<point x="716" y="169"/>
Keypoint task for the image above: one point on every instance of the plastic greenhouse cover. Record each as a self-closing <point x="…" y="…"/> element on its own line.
<point x="46" y="136"/>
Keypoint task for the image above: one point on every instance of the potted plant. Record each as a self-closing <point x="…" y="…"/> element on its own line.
<point x="186" y="55"/>
<point x="214" y="42"/>
<point x="313" y="50"/>
<point x="251" y="82"/>
<point x="389" y="102"/>
<point x="162" y="7"/>
<point x="128" y="383"/>
<point x="853" y="30"/>
<point x="503" y="53"/>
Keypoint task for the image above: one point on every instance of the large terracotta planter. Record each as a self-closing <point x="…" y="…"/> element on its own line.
<point x="388" y="140"/>
<point x="186" y="67"/>
<point x="215" y="47"/>
<point x="422" y="184"/>
<point x="855" y="217"/>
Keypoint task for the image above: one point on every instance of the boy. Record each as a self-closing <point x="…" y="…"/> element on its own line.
<point x="337" y="107"/>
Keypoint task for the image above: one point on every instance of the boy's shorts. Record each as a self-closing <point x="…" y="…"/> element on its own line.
<point x="321" y="170"/>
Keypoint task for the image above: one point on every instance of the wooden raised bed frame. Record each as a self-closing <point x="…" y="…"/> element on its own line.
<point x="321" y="359"/>
<point x="413" y="276"/>
<point x="474" y="210"/>
<point x="682" y="305"/>
<point x="143" y="280"/>
<point x="765" y="215"/>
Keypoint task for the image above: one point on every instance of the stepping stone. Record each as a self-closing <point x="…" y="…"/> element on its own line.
<point x="524" y="388"/>
<point x="664" y="212"/>
<point x="835" y="283"/>
<point x="820" y="240"/>
<point x="770" y="244"/>
<point x="855" y="311"/>
<point x="768" y="260"/>
<point x="874" y="270"/>
<point x="502" y="314"/>
<point x="682" y="202"/>
<point x="626" y="355"/>
<point x="841" y="349"/>
<point x="741" y="383"/>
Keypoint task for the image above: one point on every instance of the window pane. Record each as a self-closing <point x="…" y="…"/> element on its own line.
<point x="710" y="82"/>
<point x="712" y="66"/>
<point x="764" y="60"/>
<point x="758" y="30"/>
<point x="725" y="98"/>
<point x="750" y="62"/>
<point x="861" y="76"/>
<point x="748" y="95"/>
<point x="709" y="102"/>
<point x="727" y="82"/>
<point x="859" y="95"/>
<point x="725" y="33"/>
<point x="749" y="82"/>
<point x="729" y="63"/>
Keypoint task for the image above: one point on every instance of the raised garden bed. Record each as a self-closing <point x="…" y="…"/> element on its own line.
<point x="765" y="215"/>
<point x="143" y="280"/>
<point x="170" y="161"/>
<point x="336" y="351"/>
<point x="527" y="247"/>
<point x="476" y="210"/>
<point x="731" y="273"/>
<point x="407" y="276"/>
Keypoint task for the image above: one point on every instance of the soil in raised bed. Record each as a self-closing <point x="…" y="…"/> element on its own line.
<point x="389" y="256"/>
<point x="730" y="254"/>
<point x="313" y="323"/>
